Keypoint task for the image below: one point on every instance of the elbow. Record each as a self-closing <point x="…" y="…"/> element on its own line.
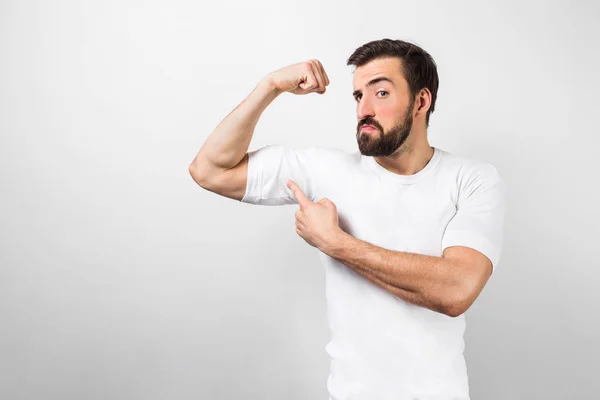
<point x="192" y="170"/>
<point x="457" y="304"/>
<point x="196" y="176"/>
<point x="459" y="297"/>
<point x="454" y="310"/>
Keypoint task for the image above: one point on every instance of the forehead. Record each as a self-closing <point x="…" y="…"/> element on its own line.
<point x="389" y="67"/>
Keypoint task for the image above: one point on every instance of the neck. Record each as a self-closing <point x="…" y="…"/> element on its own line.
<point x="409" y="159"/>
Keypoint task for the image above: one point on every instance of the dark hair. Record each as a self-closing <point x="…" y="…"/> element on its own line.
<point x="418" y="67"/>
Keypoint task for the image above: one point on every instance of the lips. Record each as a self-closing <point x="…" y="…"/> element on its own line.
<point x="368" y="128"/>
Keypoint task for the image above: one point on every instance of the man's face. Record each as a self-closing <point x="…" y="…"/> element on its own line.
<point x="383" y="101"/>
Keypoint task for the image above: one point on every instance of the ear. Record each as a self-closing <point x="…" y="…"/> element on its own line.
<point x="422" y="102"/>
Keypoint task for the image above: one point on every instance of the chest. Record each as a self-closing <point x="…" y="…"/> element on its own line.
<point x="397" y="217"/>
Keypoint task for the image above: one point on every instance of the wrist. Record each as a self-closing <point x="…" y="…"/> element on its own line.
<point x="268" y="84"/>
<point x="335" y="243"/>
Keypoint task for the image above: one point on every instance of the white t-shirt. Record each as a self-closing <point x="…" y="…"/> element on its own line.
<point x="382" y="347"/>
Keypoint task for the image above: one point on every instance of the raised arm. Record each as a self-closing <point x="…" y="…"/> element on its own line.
<point x="221" y="165"/>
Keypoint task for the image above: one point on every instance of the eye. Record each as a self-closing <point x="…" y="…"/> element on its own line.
<point x="357" y="97"/>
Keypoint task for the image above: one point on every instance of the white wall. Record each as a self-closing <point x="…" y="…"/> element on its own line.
<point x="120" y="278"/>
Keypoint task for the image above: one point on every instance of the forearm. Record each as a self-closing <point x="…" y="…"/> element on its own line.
<point x="227" y="145"/>
<point x="427" y="281"/>
<point x="417" y="298"/>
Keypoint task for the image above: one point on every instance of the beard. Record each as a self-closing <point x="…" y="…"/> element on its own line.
<point x="384" y="144"/>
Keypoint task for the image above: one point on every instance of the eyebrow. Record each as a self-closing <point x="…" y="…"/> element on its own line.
<point x="372" y="82"/>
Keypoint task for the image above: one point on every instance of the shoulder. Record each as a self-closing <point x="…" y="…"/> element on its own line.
<point x="467" y="169"/>
<point x="472" y="176"/>
<point x="334" y="156"/>
<point x="304" y="154"/>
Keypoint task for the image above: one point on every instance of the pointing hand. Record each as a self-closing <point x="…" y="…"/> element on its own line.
<point x="316" y="223"/>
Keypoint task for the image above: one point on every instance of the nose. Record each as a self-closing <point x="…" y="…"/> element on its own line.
<point x="364" y="109"/>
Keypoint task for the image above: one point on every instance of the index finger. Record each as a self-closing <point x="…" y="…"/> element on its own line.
<point x="298" y="194"/>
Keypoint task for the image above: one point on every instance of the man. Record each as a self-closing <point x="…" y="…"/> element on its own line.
<point x="408" y="233"/>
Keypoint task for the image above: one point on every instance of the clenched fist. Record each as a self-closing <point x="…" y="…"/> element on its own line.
<point x="301" y="78"/>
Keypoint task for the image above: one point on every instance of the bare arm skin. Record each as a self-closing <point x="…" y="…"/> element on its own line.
<point x="448" y="284"/>
<point x="221" y="165"/>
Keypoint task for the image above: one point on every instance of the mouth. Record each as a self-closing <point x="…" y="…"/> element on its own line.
<point x="368" y="128"/>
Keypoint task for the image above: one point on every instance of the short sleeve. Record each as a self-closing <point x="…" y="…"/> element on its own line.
<point x="479" y="219"/>
<point x="271" y="166"/>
